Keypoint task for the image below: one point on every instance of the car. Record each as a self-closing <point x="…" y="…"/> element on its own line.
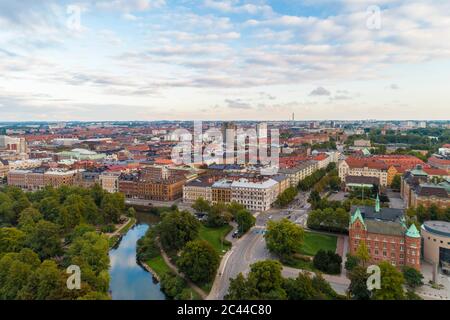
<point x="235" y="234"/>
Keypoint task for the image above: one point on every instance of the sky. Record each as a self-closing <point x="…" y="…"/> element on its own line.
<point x="224" y="60"/>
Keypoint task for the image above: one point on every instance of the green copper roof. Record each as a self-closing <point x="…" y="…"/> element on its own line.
<point x="403" y="222"/>
<point x="357" y="216"/>
<point x="413" y="232"/>
<point x="377" y="204"/>
<point x="418" y="172"/>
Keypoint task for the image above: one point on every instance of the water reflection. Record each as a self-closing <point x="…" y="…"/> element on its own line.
<point x="129" y="281"/>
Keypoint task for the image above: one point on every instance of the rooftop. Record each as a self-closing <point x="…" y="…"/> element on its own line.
<point x="438" y="227"/>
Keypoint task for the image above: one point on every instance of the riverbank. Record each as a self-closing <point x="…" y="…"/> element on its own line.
<point x="129" y="279"/>
<point x="116" y="236"/>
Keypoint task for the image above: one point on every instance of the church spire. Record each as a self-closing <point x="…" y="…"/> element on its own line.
<point x="377" y="204"/>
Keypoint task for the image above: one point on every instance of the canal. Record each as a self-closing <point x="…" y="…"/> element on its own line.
<point x="128" y="280"/>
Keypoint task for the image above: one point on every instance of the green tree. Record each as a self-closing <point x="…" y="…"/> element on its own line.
<point x="46" y="283"/>
<point x="392" y="282"/>
<point x="172" y="285"/>
<point x="396" y="182"/>
<point x="352" y="262"/>
<point x="201" y="205"/>
<point x="358" y="284"/>
<point x="131" y="212"/>
<point x="328" y="262"/>
<point x="199" y="261"/>
<point x="284" y="237"/>
<point x="11" y="240"/>
<point x="90" y="253"/>
<point x="218" y="215"/>
<point x="245" y="221"/>
<point x="300" y="288"/>
<point x="15" y="272"/>
<point x="29" y="217"/>
<point x="240" y="289"/>
<point x="112" y="207"/>
<point x="362" y="253"/>
<point x="177" y="228"/>
<point x="44" y="239"/>
<point x="50" y="209"/>
<point x="265" y="277"/>
<point x="413" y="277"/>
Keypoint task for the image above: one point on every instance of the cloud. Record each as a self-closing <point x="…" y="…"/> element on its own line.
<point x="237" y="104"/>
<point x="130" y="5"/>
<point x="232" y="6"/>
<point x="394" y="87"/>
<point x="320" y="91"/>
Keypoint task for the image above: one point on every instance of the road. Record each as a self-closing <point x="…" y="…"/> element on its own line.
<point x="252" y="248"/>
<point x="395" y="201"/>
<point x="149" y="203"/>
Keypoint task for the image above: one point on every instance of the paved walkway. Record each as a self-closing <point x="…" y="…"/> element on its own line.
<point x="339" y="283"/>
<point x="117" y="232"/>
<point x="172" y="267"/>
<point x="427" y="291"/>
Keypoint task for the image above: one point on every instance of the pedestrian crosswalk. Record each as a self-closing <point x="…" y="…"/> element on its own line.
<point x="259" y="231"/>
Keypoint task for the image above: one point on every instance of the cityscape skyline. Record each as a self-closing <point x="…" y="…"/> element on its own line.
<point x="114" y="60"/>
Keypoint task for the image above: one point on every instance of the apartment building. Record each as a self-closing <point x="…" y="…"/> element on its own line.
<point x="255" y="196"/>
<point x="4" y="168"/>
<point x="87" y="179"/>
<point x="299" y="172"/>
<point x="198" y="188"/>
<point x="417" y="188"/>
<point x="38" y="178"/>
<point x="17" y="145"/>
<point x="57" y="178"/>
<point x="133" y="186"/>
<point x="440" y="163"/>
<point x="365" y="167"/>
<point x="221" y="191"/>
<point x="109" y="181"/>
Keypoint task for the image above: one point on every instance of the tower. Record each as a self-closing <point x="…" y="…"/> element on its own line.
<point x="412" y="247"/>
<point x="377" y="205"/>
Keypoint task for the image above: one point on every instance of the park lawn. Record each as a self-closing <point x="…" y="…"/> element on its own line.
<point x="158" y="265"/>
<point x="314" y="242"/>
<point x="214" y="236"/>
<point x="300" y="264"/>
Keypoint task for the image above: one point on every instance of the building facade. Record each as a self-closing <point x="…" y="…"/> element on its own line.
<point x="385" y="233"/>
<point x="364" y="167"/>
<point x="436" y="243"/>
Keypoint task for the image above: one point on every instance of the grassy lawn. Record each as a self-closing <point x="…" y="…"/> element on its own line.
<point x="113" y="241"/>
<point x="158" y="265"/>
<point x="130" y="224"/>
<point x="214" y="236"/>
<point x="313" y="242"/>
<point x="300" y="264"/>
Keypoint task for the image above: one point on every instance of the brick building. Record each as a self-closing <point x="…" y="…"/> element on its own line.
<point x="386" y="235"/>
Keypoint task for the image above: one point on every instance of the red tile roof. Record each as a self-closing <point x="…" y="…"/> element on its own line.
<point x="366" y="162"/>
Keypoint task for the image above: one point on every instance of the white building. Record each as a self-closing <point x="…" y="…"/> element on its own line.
<point x="109" y="181"/>
<point x="18" y="145"/>
<point x="198" y="188"/>
<point x="255" y="196"/>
